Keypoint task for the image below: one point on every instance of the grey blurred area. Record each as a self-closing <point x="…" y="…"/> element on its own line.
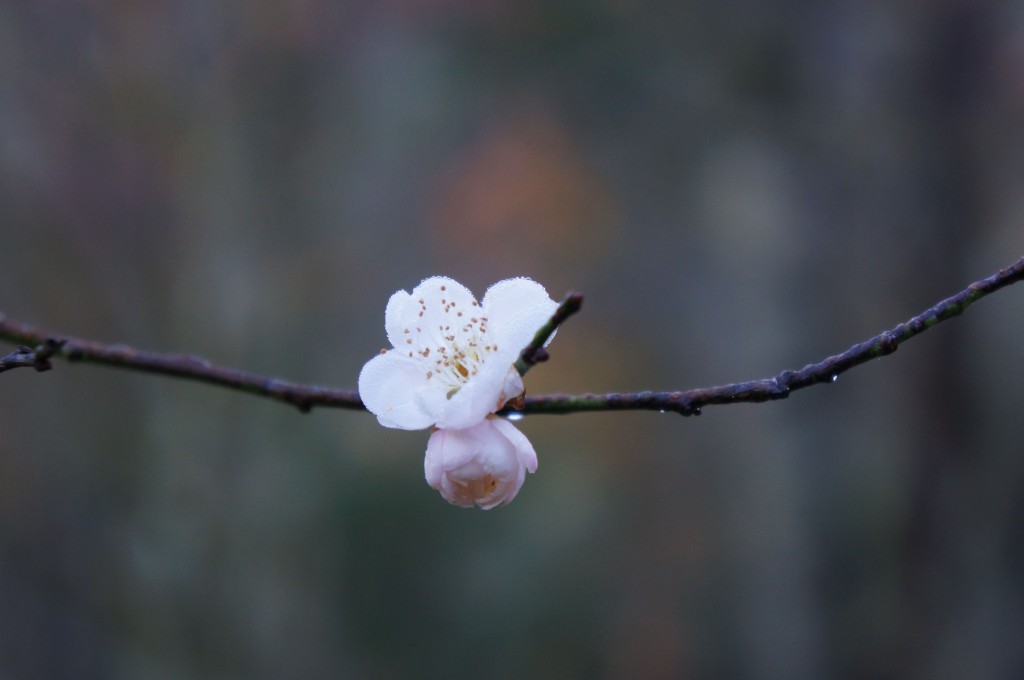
<point x="737" y="187"/>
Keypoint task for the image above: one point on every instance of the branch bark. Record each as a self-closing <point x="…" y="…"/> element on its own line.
<point x="690" y="402"/>
<point x="40" y="345"/>
<point x="189" y="366"/>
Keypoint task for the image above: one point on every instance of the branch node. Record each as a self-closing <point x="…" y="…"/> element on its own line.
<point x="681" y="403"/>
<point x="783" y="379"/>
<point x="687" y="409"/>
<point x="44" y="352"/>
<point x="537" y="356"/>
<point x="887" y="343"/>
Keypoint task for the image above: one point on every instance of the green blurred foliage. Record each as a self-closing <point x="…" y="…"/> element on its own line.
<point x="737" y="187"/>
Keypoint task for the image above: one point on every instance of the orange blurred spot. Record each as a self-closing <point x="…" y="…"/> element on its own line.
<point x="521" y="189"/>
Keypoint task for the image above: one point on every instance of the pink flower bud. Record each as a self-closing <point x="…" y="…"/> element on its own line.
<point x="483" y="465"/>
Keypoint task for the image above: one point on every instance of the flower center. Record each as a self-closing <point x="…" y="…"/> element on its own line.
<point x="480" y="488"/>
<point x="453" y="345"/>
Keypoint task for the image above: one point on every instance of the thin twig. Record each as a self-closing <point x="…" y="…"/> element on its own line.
<point x="536" y="352"/>
<point x="689" y="402"/>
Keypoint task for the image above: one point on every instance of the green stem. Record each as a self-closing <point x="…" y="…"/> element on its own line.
<point x="535" y="352"/>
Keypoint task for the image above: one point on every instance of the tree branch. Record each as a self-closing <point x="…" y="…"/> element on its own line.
<point x="305" y="397"/>
<point x="48" y="344"/>
<point x="690" y="402"/>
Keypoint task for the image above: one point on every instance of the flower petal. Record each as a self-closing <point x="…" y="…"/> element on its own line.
<point x="516" y="310"/>
<point x="390" y="386"/>
<point x="425" y="307"/>
<point x="524" y="449"/>
<point x="401" y="309"/>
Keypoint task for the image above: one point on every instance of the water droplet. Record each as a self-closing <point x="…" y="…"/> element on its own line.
<point x="835" y="377"/>
<point x="515" y="416"/>
<point x="661" y="410"/>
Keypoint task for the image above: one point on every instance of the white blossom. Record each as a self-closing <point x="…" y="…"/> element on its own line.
<point x="451" y="361"/>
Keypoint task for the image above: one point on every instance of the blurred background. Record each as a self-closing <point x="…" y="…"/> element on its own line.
<point x="737" y="188"/>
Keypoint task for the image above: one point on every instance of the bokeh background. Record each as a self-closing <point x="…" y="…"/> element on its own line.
<point x="737" y="187"/>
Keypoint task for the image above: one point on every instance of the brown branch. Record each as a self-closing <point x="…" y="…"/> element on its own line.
<point x="689" y="402"/>
<point x="305" y="397"/>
